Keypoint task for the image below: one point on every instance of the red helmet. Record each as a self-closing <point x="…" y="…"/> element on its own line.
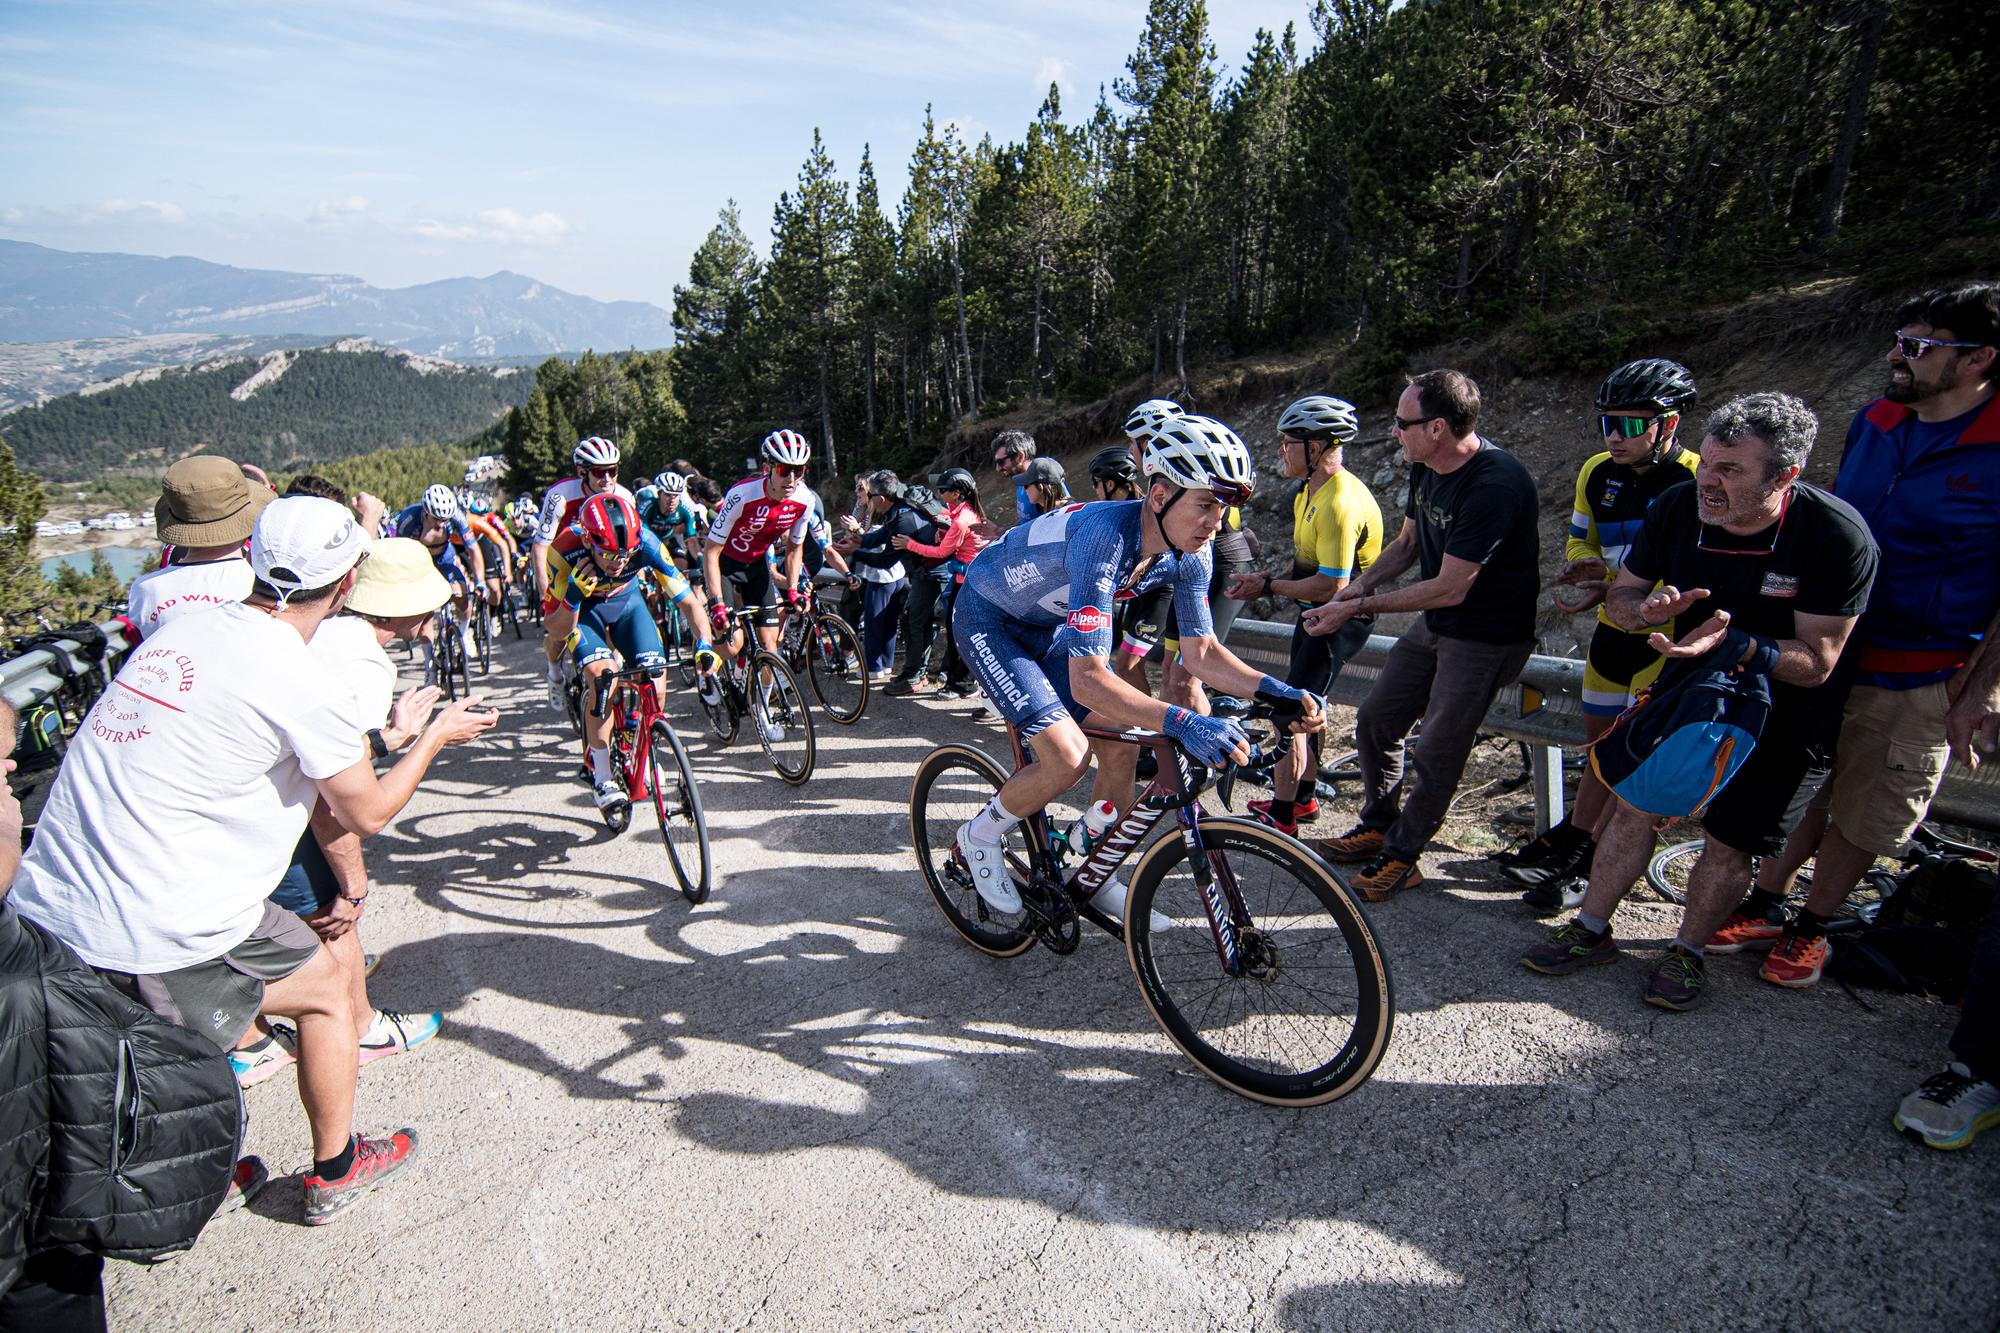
<point x="610" y="524"/>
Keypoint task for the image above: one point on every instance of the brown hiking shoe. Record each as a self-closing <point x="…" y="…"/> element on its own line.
<point x="1357" y="844"/>
<point x="1385" y="877"/>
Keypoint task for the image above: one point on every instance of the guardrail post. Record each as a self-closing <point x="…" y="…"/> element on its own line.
<point x="1546" y="761"/>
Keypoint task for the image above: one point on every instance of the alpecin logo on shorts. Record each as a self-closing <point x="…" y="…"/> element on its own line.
<point x="1088" y="620"/>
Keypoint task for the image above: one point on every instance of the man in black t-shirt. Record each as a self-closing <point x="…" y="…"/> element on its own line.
<point x="1469" y="527"/>
<point x="1747" y="548"/>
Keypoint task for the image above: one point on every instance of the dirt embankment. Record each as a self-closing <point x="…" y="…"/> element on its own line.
<point x="1823" y="341"/>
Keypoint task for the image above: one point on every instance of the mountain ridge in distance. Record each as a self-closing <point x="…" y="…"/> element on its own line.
<point x="49" y="295"/>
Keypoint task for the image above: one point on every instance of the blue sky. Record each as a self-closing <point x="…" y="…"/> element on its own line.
<point x="588" y="145"/>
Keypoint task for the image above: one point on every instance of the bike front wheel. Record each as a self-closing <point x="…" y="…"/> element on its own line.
<point x="677" y="801"/>
<point x="838" y="672"/>
<point x="1308" y="1019"/>
<point x="778" y="713"/>
<point x="482" y="637"/>
<point x="954" y="783"/>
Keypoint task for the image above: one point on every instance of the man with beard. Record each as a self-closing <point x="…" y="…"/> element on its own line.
<point x="1771" y="574"/>
<point x="1922" y="466"/>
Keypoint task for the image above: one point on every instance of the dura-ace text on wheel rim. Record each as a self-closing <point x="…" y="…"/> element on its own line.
<point x="1309" y="1019"/>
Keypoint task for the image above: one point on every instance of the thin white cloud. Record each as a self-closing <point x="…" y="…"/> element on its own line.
<point x="153" y="209"/>
<point x="338" y="210"/>
<point x="497" y="226"/>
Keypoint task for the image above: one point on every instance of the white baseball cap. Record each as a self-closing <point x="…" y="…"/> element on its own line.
<point x="303" y="542"/>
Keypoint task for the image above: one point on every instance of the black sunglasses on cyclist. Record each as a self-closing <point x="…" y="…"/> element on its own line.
<point x="602" y="473"/>
<point x="1625" y="428"/>
<point x="1411" y="423"/>
<point x="1913" y="348"/>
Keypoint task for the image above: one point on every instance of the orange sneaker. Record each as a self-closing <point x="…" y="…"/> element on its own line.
<point x="1742" y="932"/>
<point x="1797" y="961"/>
<point x="1357" y="844"/>
<point x="1385" y="877"/>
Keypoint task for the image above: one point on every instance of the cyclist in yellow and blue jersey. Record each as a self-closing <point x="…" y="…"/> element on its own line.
<point x="1336" y="533"/>
<point x="1640" y="411"/>
<point x="594" y="568"/>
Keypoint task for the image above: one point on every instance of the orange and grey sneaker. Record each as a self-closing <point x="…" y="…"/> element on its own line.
<point x="375" y="1160"/>
<point x="1742" y="932"/>
<point x="1357" y="844"/>
<point x="1796" y="961"/>
<point x="1385" y="877"/>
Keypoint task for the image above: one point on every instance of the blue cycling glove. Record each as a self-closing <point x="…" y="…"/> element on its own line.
<point x="1208" y="740"/>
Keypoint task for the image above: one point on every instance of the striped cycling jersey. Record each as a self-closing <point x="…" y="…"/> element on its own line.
<point x="1611" y="504"/>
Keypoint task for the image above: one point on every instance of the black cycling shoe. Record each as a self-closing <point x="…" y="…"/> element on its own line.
<point x="1556" y="895"/>
<point x="1570" y="859"/>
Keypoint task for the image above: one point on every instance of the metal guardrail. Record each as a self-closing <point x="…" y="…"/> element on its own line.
<point x="33" y="676"/>
<point x="1544" y="709"/>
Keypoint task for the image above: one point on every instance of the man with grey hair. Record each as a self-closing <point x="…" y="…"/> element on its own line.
<point x="1757" y="562"/>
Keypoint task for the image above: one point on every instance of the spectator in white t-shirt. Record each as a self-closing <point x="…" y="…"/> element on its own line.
<point x="206" y="510"/>
<point x="179" y="804"/>
<point x="396" y="591"/>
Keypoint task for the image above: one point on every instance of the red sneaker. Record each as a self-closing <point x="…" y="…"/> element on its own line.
<point x="1261" y="812"/>
<point x="1742" y="932"/>
<point x="375" y="1160"/>
<point x="1797" y="961"/>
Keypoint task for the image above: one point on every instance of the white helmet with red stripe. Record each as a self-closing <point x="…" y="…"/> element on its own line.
<point x="787" y="447"/>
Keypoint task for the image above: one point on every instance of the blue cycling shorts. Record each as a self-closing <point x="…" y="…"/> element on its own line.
<point x="623" y="622"/>
<point x="1024" y="675"/>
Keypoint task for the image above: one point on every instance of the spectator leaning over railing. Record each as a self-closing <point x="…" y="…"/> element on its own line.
<point x="181" y="800"/>
<point x="397" y="592"/>
<point x="1469" y="526"/>
<point x="1756" y="563"/>
<point x="206" y="510"/>
<point x="1922" y="466"/>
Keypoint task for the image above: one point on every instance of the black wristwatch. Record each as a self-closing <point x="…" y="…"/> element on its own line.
<point x="378" y="744"/>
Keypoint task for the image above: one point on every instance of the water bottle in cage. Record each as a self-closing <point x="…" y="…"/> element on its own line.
<point x="1090" y="828"/>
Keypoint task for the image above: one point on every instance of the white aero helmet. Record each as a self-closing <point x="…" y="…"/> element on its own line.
<point x="439" y="502"/>
<point x="594" y="452"/>
<point x="1148" y="416"/>
<point x="671" y="482"/>
<point x="1318" y="414"/>
<point x="787" y="447"/>
<point x="1201" y="454"/>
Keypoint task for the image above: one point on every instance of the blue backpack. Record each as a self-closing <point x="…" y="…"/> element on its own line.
<point x="1686" y="736"/>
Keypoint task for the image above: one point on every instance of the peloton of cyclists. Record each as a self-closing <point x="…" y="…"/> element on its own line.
<point x="438" y="523"/>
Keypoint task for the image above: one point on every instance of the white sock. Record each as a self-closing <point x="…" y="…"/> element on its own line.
<point x="991" y="824"/>
<point x="600" y="763"/>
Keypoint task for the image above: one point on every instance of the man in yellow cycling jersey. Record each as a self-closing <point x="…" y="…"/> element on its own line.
<point x="1336" y="533"/>
<point x="1640" y="407"/>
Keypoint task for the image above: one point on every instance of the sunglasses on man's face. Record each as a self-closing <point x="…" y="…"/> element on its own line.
<point x="602" y="473"/>
<point x="1625" y="428"/>
<point x="1411" y="423"/>
<point x="1913" y="348"/>
<point x="785" y="470"/>
<point x="1229" y="492"/>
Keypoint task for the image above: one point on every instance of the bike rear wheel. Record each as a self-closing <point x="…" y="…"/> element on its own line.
<point x="677" y="801"/>
<point x="953" y="783"/>
<point x="836" y="668"/>
<point x="1309" y="1019"/>
<point x="482" y="635"/>
<point x="778" y="713"/>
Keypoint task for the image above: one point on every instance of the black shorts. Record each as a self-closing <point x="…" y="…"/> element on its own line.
<point x="489" y="551"/>
<point x="752" y="581"/>
<point x="1316" y="659"/>
<point x="220" y="998"/>
<point x="1768" y="797"/>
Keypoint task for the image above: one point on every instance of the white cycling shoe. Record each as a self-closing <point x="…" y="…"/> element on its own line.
<point x="772" y="732"/>
<point x="607" y="793"/>
<point x="987" y="862"/>
<point x="1110" y="900"/>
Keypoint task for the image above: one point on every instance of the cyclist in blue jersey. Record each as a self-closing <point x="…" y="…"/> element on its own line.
<point x="436" y="521"/>
<point x="595" y="566"/>
<point x="668" y="514"/>
<point x="1034" y="622"/>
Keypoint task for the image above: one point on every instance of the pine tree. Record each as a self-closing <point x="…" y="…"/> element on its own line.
<point x="806" y="291"/>
<point x="712" y="316"/>
<point x="22" y="505"/>
<point x="874" y="283"/>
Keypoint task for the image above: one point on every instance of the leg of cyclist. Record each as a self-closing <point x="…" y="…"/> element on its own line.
<point x="594" y="661"/>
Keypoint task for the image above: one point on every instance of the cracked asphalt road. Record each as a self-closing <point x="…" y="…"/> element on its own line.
<point x="808" y="1105"/>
